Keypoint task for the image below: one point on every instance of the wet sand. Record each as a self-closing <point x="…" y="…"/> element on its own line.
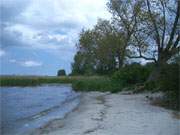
<point x="114" y="114"/>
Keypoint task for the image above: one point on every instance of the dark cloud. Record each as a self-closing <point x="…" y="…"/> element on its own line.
<point x="11" y="9"/>
<point x="10" y="12"/>
<point x="48" y="27"/>
<point x="9" y="39"/>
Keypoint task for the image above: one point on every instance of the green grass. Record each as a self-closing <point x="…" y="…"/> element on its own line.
<point x="79" y="83"/>
<point x="96" y="83"/>
<point x="33" y="81"/>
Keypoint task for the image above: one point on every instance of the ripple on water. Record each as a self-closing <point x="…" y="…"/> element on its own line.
<point x="26" y="108"/>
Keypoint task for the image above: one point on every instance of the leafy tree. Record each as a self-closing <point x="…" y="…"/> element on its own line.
<point x="99" y="50"/>
<point x="84" y="58"/>
<point x="104" y="51"/>
<point x="61" y="72"/>
<point x="151" y="27"/>
<point x="125" y="14"/>
<point x="161" y="22"/>
<point x="110" y="43"/>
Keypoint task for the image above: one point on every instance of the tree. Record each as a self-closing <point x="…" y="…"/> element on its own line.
<point x="110" y="45"/>
<point x="151" y="27"/>
<point x="61" y="72"/>
<point x="161" y="18"/>
<point x="84" y="59"/>
<point x="125" y="14"/>
<point x="99" y="50"/>
<point x="105" y="53"/>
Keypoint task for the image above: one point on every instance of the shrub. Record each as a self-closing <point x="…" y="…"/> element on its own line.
<point x="152" y="86"/>
<point x="169" y="82"/>
<point x="132" y="74"/>
<point x="170" y="77"/>
<point x="61" y="72"/>
<point x="95" y="84"/>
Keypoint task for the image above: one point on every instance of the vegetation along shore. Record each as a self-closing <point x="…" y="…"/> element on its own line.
<point x="137" y="49"/>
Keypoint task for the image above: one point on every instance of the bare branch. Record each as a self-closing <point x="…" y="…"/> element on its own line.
<point x="140" y="53"/>
<point x="175" y="50"/>
<point x="141" y="56"/>
<point x="164" y="23"/>
<point x="174" y="26"/>
<point x="154" y="24"/>
<point x="177" y="41"/>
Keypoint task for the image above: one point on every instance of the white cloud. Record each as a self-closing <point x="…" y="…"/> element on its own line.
<point x="2" y="52"/>
<point x="27" y="63"/>
<point x="49" y="26"/>
<point x="48" y="13"/>
<point x="57" y="20"/>
<point x="31" y="63"/>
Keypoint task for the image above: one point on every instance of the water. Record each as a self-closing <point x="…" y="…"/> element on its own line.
<point x="26" y="108"/>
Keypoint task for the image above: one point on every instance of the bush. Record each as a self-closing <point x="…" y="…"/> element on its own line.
<point x="132" y="74"/>
<point x="169" y="82"/>
<point x="61" y="72"/>
<point x="95" y="84"/>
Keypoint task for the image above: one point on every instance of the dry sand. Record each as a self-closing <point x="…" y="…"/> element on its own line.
<point x="114" y="114"/>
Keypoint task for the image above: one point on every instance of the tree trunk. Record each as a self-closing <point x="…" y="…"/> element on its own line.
<point x="155" y="74"/>
<point x="120" y="60"/>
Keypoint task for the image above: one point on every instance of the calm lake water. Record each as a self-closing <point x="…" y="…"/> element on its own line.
<point x="26" y="108"/>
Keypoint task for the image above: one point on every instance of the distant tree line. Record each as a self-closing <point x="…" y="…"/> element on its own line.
<point x="146" y="29"/>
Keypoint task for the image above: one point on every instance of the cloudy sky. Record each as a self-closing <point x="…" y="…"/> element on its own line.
<point x="38" y="36"/>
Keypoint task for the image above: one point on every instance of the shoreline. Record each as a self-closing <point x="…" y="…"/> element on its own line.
<point x="28" y="108"/>
<point x="113" y="114"/>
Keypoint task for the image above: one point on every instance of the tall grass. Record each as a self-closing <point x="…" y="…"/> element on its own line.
<point x="97" y="83"/>
<point x="33" y="81"/>
<point x="79" y="83"/>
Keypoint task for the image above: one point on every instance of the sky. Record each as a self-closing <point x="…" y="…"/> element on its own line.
<point x="38" y="37"/>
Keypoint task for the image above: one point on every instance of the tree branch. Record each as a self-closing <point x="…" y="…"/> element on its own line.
<point x="174" y="27"/>
<point x="177" y="41"/>
<point x="175" y="50"/>
<point x="141" y="56"/>
<point x="164" y="23"/>
<point x="154" y="24"/>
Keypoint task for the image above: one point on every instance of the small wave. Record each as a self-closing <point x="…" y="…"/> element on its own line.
<point x="51" y="109"/>
<point x="26" y="109"/>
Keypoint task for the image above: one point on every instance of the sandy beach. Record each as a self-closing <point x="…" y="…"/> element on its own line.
<point x="114" y="114"/>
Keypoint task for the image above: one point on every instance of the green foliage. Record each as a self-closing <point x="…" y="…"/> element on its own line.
<point x="79" y="83"/>
<point x="34" y="81"/>
<point x="83" y="65"/>
<point x="169" y="82"/>
<point x="100" y="50"/>
<point x="170" y="77"/>
<point x="84" y="59"/>
<point x="145" y="23"/>
<point x="132" y="74"/>
<point x="18" y="81"/>
<point x="96" y="84"/>
<point x="152" y="86"/>
<point x="61" y="72"/>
